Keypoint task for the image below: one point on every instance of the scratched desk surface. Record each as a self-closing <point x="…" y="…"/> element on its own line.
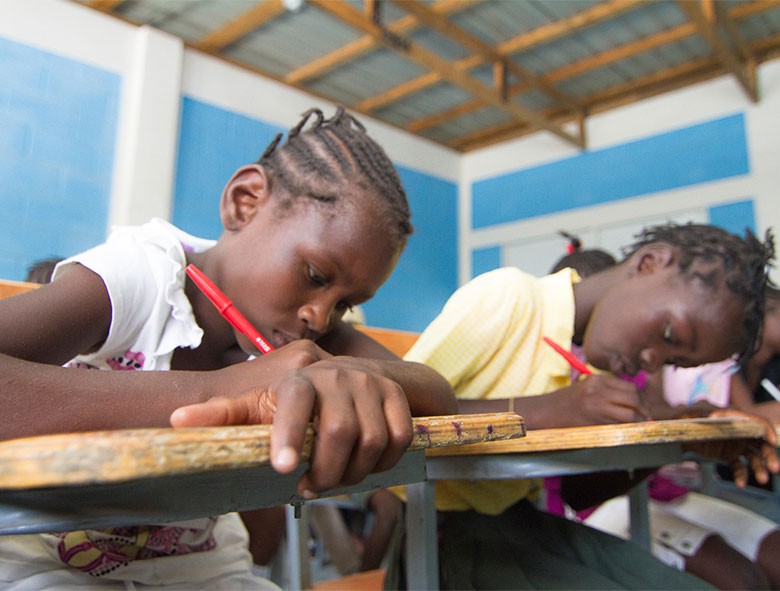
<point x="553" y="452"/>
<point x="645" y="433"/>
<point x="99" y="479"/>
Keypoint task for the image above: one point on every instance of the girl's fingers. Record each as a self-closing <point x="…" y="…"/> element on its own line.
<point x="295" y="400"/>
<point x="398" y="419"/>
<point x="337" y="433"/>
<point x="212" y="413"/>
<point x="371" y="440"/>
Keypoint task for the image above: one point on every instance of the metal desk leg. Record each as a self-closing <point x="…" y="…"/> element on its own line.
<point x="639" y="517"/>
<point x="298" y="562"/>
<point x="422" y="550"/>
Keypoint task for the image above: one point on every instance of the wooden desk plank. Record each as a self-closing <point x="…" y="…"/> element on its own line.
<point x="98" y="457"/>
<point x="651" y="432"/>
<point x="9" y="288"/>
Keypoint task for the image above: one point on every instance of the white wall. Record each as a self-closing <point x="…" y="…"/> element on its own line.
<point x="696" y="104"/>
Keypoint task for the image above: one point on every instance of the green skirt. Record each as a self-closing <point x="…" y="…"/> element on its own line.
<point x="524" y="548"/>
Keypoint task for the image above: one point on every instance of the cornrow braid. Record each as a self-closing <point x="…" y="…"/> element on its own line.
<point x="328" y="157"/>
<point x="744" y="263"/>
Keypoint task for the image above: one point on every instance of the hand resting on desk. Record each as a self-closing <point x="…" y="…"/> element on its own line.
<point x="362" y="417"/>
<point x="759" y="454"/>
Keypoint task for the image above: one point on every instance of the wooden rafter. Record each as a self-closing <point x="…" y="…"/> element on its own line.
<point x="445" y="69"/>
<point x="599" y="60"/>
<point x="533" y="38"/>
<point x="488" y="53"/>
<point x="355" y="49"/>
<point x="104" y="5"/>
<point x="703" y="15"/>
<point x="244" y="23"/>
<point x="623" y="94"/>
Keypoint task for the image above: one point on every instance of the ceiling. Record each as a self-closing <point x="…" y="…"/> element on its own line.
<point x="470" y="73"/>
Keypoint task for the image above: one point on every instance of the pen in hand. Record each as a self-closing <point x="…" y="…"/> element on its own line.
<point x="227" y="309"/>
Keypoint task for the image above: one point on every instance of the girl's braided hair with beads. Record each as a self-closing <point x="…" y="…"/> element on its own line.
<point x="741" y="264"/>
<point x="330" y="159"/>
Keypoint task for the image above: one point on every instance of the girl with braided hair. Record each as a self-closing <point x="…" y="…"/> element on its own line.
<point x="314" y="227"/>
<point x="683" y="295"/>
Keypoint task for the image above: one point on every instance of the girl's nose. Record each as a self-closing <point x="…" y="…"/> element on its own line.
<point x="316" y="317"/>
<point x="650" y="360"/>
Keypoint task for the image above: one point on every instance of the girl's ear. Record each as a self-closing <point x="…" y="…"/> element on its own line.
<point x="653" y="257"/>
<point x="244" y="194"/>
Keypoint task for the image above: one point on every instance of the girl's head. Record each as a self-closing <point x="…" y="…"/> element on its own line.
<point x="314" y="227"/>
<point x="685" y="295"/>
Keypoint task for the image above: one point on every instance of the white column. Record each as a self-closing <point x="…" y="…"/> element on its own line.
<point x="145" y="161"/>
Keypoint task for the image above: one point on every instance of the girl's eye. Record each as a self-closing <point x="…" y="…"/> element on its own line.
<point x="668" y="333"/>
<point x="315" y="277"/>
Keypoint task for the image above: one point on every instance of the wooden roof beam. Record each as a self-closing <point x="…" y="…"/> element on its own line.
<point x="243" y="24"/>
<point x="104" y="5"/>
<point x="444" y="26"/>
<point x="598" y="60"/>
<point x="432" y="62"/>
<point x="543" y="34"/>
<point x="367" y="43"/>
<point x="574" y="69"/>
<point x="623" y="94"/>
<point x="703" y="15"/>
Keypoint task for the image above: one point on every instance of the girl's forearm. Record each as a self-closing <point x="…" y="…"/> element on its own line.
<point x="38" y="398"/>
<point x="427" y="392"/>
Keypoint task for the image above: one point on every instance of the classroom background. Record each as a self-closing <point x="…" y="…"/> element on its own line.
<point x="104" y="123"/>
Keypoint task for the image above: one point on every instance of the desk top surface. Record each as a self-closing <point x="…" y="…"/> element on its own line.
<point x="678" y="430"/>
<point x="100" y="457"/>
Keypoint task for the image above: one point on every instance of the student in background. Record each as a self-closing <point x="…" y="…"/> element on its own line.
<point x="585" y="261"/>
<point x="314" y="227"/>
<point x="764" y="365"/>
<point x="721" y="542"/>
<point x="678" y="293"/>
<point x="40" y="271"/>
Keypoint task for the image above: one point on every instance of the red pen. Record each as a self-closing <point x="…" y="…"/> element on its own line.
<point x="568" y="356"/>
<point x="227" y="309"/>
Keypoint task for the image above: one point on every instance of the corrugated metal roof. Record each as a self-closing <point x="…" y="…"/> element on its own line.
<point x="562" y="58"/>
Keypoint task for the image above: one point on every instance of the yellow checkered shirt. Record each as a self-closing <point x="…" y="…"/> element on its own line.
<point x="487" y="342"/>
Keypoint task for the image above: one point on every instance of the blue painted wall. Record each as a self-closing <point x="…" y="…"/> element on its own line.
<point x="706" y="152"/>
<point x="58" y="120"/>
<point x="485" y="259"/>
<point x="734" y="217"/>
<point x="427" y="273"/>
<point x="214" y="142"/>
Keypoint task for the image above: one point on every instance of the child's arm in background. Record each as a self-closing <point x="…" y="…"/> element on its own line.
<point x="660" y="409"/>
<point x="742" y="398"/>
<point x="597" y="399"/>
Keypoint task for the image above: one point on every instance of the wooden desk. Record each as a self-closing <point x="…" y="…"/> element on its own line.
<point x="552" y="452"/>
<point x="103" y="479"/>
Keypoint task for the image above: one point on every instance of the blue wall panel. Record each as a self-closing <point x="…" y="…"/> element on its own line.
<point x="58" y="120"/>
<point x="214" y="142"/>
<point x="427" y="273"/>
<point x="485" y="259"/>
<point x="709" y="151"/>
<point x="734" y="217"/>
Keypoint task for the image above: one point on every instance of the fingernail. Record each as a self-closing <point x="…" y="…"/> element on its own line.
<point x="286" y="457"/>
<point x="309" y="495"/>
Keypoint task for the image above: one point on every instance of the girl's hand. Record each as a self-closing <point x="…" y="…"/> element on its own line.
<point x="602" y="399"/>
<point x="362" y="418"/>
<point x="759" y="454"/>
